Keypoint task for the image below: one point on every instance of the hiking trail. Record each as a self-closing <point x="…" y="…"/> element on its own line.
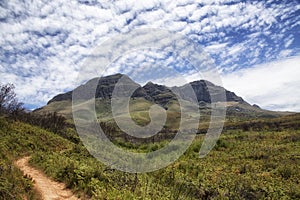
<point x="49" y="189"/>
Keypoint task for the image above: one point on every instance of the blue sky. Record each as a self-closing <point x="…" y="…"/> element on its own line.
<point x="254" y="44"/>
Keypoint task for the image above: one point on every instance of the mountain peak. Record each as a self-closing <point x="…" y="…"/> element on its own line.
<point x="149" y="83"/>
<point x="105" y="86"/>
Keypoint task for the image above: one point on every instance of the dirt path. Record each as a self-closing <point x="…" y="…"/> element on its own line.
<point x="49" y="189"/>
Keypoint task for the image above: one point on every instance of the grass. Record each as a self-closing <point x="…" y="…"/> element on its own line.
<point x="259" y="163"/>
<point x="17" y="140"/>
<point x="243" y="165"/>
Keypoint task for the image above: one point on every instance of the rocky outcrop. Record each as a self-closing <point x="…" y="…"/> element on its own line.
<point x="159" y="94"/>
<point x="105" y="87"/>
<point x="206" y="91"/>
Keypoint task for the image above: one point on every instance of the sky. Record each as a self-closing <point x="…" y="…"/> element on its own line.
<point x="255" y="45"/>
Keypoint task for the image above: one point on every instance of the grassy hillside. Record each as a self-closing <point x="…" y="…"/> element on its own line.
<point x="255" y="158"/>
<point x="19" y="139"/>
<point x="139" y="108"/>
<point x="243" y="165"/>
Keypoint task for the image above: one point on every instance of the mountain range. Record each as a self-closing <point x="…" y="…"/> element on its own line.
<point x="152" y="93"/>
<point x="159" y="94"/>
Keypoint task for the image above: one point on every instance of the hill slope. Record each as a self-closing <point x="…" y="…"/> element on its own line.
<point x="243" y="165"/>
<point x="17" y="140"/>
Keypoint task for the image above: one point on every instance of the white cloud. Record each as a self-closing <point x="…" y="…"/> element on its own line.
<point x="285" y="53"/>
<point x="49" y="40"/>
<point x="274" y="85"/>
<point x="234" y="50"/>
<point x="216" y="46"/>
<point x="288" y="41"/>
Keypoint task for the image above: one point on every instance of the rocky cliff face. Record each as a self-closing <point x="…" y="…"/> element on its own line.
<point x="104" y="90"/>
<point x="160" y="94"/>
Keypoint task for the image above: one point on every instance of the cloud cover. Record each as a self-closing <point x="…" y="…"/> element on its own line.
<point x="44" y="43"/>
<point x="273" y="86"/>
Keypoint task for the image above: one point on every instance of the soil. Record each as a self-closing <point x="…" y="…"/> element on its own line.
<point x="48" y="189"/>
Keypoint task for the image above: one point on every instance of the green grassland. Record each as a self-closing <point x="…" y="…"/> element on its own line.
<point x="17" y="140"/>
<point x="258" y="159"/>
<point x="243" y="165"/>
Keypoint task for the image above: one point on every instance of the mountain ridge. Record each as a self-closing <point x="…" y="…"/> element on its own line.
<point x="151" y="93"/>
<point x="156" y="93"/>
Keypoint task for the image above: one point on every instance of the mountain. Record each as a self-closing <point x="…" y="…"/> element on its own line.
<point x="159" y="94"/>
<point x="144" y="96"/>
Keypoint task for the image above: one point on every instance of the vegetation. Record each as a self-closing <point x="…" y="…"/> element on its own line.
<point x="243" y="165"/>
<point x="259" y="162"/>
<point x="8" y="101"/>
<point x="19" y="139"/>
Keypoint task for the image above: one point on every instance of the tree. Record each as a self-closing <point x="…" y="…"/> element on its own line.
<point x="8" y="100"/>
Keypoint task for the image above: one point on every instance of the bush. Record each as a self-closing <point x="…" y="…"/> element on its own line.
<point x="286" y="172"/>
<point x="222" y="144"/>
